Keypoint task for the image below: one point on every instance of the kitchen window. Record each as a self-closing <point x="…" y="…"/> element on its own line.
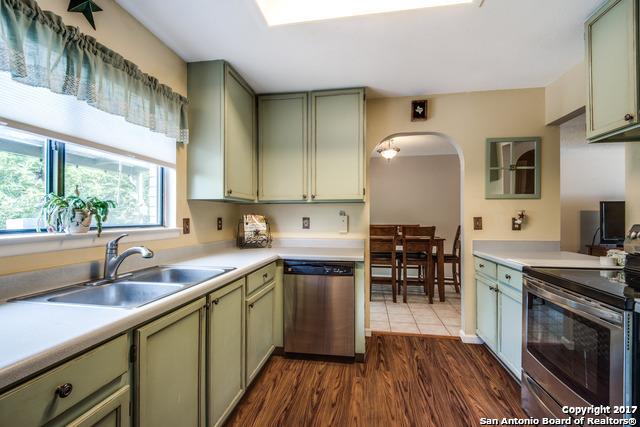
<point x="33" y="165"/>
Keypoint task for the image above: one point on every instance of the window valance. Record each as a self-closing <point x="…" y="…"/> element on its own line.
<point x="37" y="49"/>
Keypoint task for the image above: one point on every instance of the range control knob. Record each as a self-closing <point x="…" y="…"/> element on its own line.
<point x="634" y="235"/>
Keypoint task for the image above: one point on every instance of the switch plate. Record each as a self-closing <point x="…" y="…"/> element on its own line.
<point x="219" y="223"/>
<point x="477" y="223"/>
<point x="306" y="223"/>
<point x="186" y="226"/>
<point x="515" y="226"/>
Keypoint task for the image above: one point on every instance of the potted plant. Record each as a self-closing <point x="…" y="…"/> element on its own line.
<point x="73" y="214"/>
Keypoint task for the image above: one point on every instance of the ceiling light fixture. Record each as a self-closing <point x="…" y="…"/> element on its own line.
<point x="388" y="151"/>
<point x="280" y="12"/>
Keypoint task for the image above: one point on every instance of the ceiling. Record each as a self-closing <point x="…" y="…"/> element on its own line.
<point x="504" y="44"/>
<point x="421" y="145"/>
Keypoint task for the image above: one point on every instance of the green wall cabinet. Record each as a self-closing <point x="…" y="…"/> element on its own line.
<point x="611" y="36"/>
<point x="499" y="311"/>
<point x="260" y="329"/>
<point x="337" y="145"/>
<point x="225" y="355"/>
<point x="222" y="163"/>
<point x="282" y="147"/>
<point x="111" y="412"/>
<point x="170" y="369"/>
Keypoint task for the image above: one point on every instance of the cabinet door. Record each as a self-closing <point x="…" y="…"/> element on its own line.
<point x="239" y="138"/>
<point x="111" y="412"/>
<point x="260" y="336"/>
<point x="510" y="328"/>
<point x="611" y="36"/>
<point x="170" y="369"/>
<point x="487" y="312"/>
<point x="226" y="351"/>
<point x="282" y="141"/>
<point x="337" y="145"/>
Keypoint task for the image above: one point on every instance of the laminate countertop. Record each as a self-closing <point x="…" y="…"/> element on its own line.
<point x="36" y="335"/>
<point x="550" y="259"/>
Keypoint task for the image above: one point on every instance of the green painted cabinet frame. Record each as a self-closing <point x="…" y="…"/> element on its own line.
<point x="260" y="330"/>
<point x="226" y="351"/>
<point x="222" y="152"/>
<point x="487" y="312"/>
<point x="510" y="328"/>
<point x="170" y="368"/>
<point x="612" y="51"/>
<point x="283" y="148"/>
<point x="337" y="145"/>
<point x="111" y="412"/>
<point x="490" y="170"/>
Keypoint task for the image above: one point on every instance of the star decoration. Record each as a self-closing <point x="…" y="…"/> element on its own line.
<point x="86" y="7"/>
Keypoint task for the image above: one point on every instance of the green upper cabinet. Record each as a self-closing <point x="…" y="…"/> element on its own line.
<point x="222" y="162"/>
<point x="337" y="145"/>
<point x="513" y="168"/>
<point x="225" y="381"/>
<point x="170" y="369"/>
<point x="612" y="72"/>
<point x="282" y="152"/>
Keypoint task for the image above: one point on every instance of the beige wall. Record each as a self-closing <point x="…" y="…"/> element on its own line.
<point x="632" y="155"/>
<point x="589" y="173"/>
<point x="121" y="32"/>
<point x="566" y="95"/>
<point x="394" y="199"/>
<point x="468" y="119"/>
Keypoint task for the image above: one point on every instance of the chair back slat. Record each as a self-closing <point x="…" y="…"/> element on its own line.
<point x="409" y="231"/>
<point x="417" y="245"/>
<point x="383" y="230"/>
<point x="382" y="245"/>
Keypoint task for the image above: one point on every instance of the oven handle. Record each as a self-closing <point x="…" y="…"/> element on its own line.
<point x="574" y="303"/>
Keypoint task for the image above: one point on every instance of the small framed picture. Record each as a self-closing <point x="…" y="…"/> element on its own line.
<point x="419" y="110"/>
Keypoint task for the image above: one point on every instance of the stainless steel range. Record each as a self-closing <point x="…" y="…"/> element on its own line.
<point x="580" y="339"/>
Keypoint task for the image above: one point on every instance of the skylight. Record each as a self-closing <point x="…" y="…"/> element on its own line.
<point x="279" y="12"/>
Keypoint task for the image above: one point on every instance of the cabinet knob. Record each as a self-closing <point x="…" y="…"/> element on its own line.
<point x="507" y="276"/>
<point x="481" y="265"/>
<point x="229" y="191"/>
<point x="64" y="390"/>
<point x="304" y="196"/>
<point x="313" y="196"/>
<point x="265" y="276"/>
<point x="251" y="305"/>
<point x="216" y="301"/>
<point x="628" y="117"/>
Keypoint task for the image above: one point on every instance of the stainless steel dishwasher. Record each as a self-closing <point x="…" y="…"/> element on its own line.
<point x="319" y="308"/>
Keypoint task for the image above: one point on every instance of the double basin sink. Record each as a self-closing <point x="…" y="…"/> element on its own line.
<point x="134" y="290"/>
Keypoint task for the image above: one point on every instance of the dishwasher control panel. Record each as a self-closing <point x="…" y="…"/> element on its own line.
<point x="319" y="268"/>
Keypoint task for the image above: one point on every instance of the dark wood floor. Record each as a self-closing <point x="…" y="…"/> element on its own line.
<point x="405" y="381"/>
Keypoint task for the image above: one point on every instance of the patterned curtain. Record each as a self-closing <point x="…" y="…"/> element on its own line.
<point x="39" y="50"/>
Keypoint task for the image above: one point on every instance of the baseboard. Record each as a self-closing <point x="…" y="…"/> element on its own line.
<point x="470" y="339"/>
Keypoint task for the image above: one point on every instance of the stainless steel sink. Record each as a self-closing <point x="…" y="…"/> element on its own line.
<point x="125" y="294"/>
<point x="134" y="290"/>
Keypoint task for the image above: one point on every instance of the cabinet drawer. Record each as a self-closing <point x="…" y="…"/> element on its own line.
<point x="261" y="277"/>
<point x="511" y="277"/>
<point x="39" y="401"/>
<point x="485" y="267"/>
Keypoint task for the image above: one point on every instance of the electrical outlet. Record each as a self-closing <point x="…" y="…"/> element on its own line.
<point x="515" y="225"/>
<point x="306" y="223"/>
<point x="219" y="223"/>
<point x="477" y="223"/>
<point x="186" y="226"/>
<point x="343" y="222"/>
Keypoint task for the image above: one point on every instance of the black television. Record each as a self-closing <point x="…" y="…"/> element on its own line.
<point x="612" y="223"/>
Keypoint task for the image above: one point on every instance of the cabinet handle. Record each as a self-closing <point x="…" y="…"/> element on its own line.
<point x="304" y="196"/>
<point x="229" y="192"/>
<point x="265" y="276"/>
<point x="481" y="265"/>
<point x="628" y="117"/>
<point x="313" y="196"/>
<point x="507" y="276"/>
<point x="216" y="301"/>
<point x="64" y="390"/>
<point x="251" y="305"/>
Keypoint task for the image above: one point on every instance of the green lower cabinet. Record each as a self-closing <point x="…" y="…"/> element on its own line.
<point x="111" y="412"/>
<point x="510" y="328"/>
<point x="170" y="369"/>
<point x="260" y="331"/>
<point x="487" y="312"/>
<point x="225" y="356"/>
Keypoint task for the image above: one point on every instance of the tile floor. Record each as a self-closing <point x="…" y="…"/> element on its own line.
<point x="417" y="316"/>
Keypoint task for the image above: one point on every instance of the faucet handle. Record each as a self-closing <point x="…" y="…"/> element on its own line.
<point x="113" y="244"/>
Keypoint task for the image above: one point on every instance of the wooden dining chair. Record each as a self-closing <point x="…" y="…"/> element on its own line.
<point x="382" y="254"/>
<point x="417" y="256"/>
<point x="455" y="259"/>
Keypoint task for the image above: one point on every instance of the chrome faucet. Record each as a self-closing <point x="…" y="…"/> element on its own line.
<point x="112" y="260"/>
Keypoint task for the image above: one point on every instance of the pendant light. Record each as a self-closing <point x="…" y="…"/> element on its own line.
<point x="388" y="151"/>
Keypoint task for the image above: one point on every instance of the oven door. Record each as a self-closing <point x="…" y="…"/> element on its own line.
<point x="573" y="347"/>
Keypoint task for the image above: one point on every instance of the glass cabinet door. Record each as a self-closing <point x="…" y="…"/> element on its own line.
<point x="513" y="168"/>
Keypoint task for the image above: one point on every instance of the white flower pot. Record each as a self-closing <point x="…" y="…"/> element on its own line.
<point x="80" y="223"/>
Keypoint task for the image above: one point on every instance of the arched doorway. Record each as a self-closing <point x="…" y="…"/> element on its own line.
<point x="421" y="184"/>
